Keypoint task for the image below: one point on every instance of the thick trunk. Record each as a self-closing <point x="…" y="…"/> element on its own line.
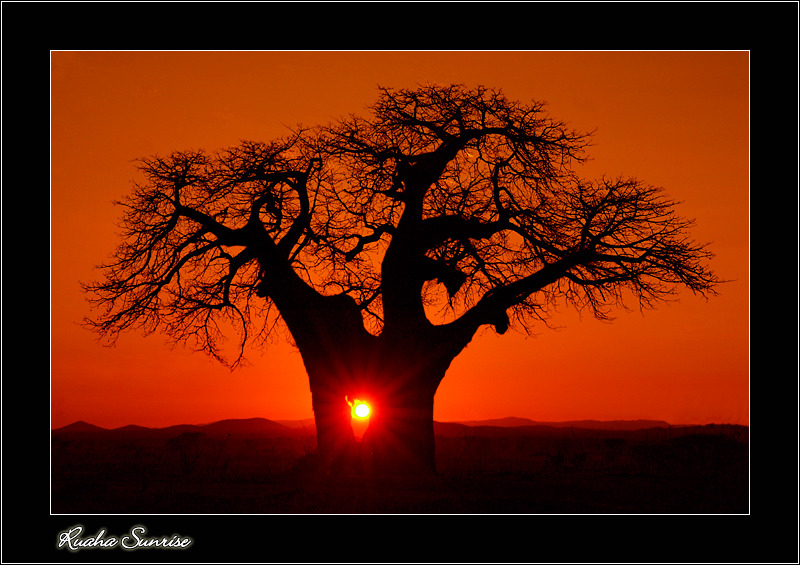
<point x="397" y="374"/>
<point x="398" y="385"/>
<point x="336" y="443"/>
<point x="400" y="437"/>
<point x="337" y="353"/>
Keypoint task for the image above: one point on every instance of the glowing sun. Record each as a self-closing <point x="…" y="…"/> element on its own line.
<point x="362" y="410"/>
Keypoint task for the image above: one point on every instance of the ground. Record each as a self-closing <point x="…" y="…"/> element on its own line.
<point x="482" y="470"/>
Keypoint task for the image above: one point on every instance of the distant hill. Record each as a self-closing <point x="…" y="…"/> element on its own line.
<point x="458" y="428"/>
<point x="583" y="424"/>
<point x="251" y="426"/>
<point x="81" y="427"/>
<point x="260" y="427"/>
<point x="514" y="422"/>
<point x="307" y="423"/>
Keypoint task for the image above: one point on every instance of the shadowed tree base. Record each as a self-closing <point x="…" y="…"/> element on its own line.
<point x="363" y="459"/>
<point x="391" y="447"/>
<point x="398" y="440"/>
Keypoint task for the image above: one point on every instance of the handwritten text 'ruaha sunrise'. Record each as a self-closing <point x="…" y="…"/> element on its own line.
<point x="135" y="539"/>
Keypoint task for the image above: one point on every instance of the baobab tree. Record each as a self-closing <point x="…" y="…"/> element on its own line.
<point x="383" y="244"/>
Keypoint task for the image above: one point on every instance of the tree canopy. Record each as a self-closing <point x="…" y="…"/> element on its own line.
<point x="445" y="206"/>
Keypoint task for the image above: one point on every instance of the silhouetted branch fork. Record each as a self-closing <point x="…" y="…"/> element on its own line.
<point x="492" y="307"/>
<point x="364" y="240"/>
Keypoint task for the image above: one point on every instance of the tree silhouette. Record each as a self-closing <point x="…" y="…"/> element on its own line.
<point x="383" y="244"/>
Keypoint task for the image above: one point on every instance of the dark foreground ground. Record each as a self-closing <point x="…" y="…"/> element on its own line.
<point x="530" y="470"/>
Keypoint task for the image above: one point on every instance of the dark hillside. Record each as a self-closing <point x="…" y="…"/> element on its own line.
<point x="260" y="466"/>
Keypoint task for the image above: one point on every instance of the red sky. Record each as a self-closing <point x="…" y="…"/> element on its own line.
<point x="675" y="119"/>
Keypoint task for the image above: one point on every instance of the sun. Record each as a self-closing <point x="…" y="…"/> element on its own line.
<point x="359" y="408"/>
<point x="360" y="417"/>
<point x="362" y="410"/>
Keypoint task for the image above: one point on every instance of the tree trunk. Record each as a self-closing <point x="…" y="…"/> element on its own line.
<point x="399" y="390"/>
<point x="337" y="353"/>
<point x="400" y="436"/>
<point x="396" y="373"/>
<point x="336" y="442"/>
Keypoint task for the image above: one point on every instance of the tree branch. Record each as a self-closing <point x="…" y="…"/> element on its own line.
<point x="492" y="307"/>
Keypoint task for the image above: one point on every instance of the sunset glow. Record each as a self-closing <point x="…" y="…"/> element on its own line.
<point x="679" y="120"/>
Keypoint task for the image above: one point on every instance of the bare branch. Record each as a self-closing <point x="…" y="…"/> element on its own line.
<point x="444" y="196"/>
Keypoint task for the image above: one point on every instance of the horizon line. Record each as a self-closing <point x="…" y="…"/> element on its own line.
<point x="474" y="421"/>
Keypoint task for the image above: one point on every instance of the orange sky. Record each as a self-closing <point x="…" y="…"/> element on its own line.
<point x="675" y="119"/>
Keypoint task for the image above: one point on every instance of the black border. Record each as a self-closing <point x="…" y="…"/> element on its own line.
<point x="767" y="29"/>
